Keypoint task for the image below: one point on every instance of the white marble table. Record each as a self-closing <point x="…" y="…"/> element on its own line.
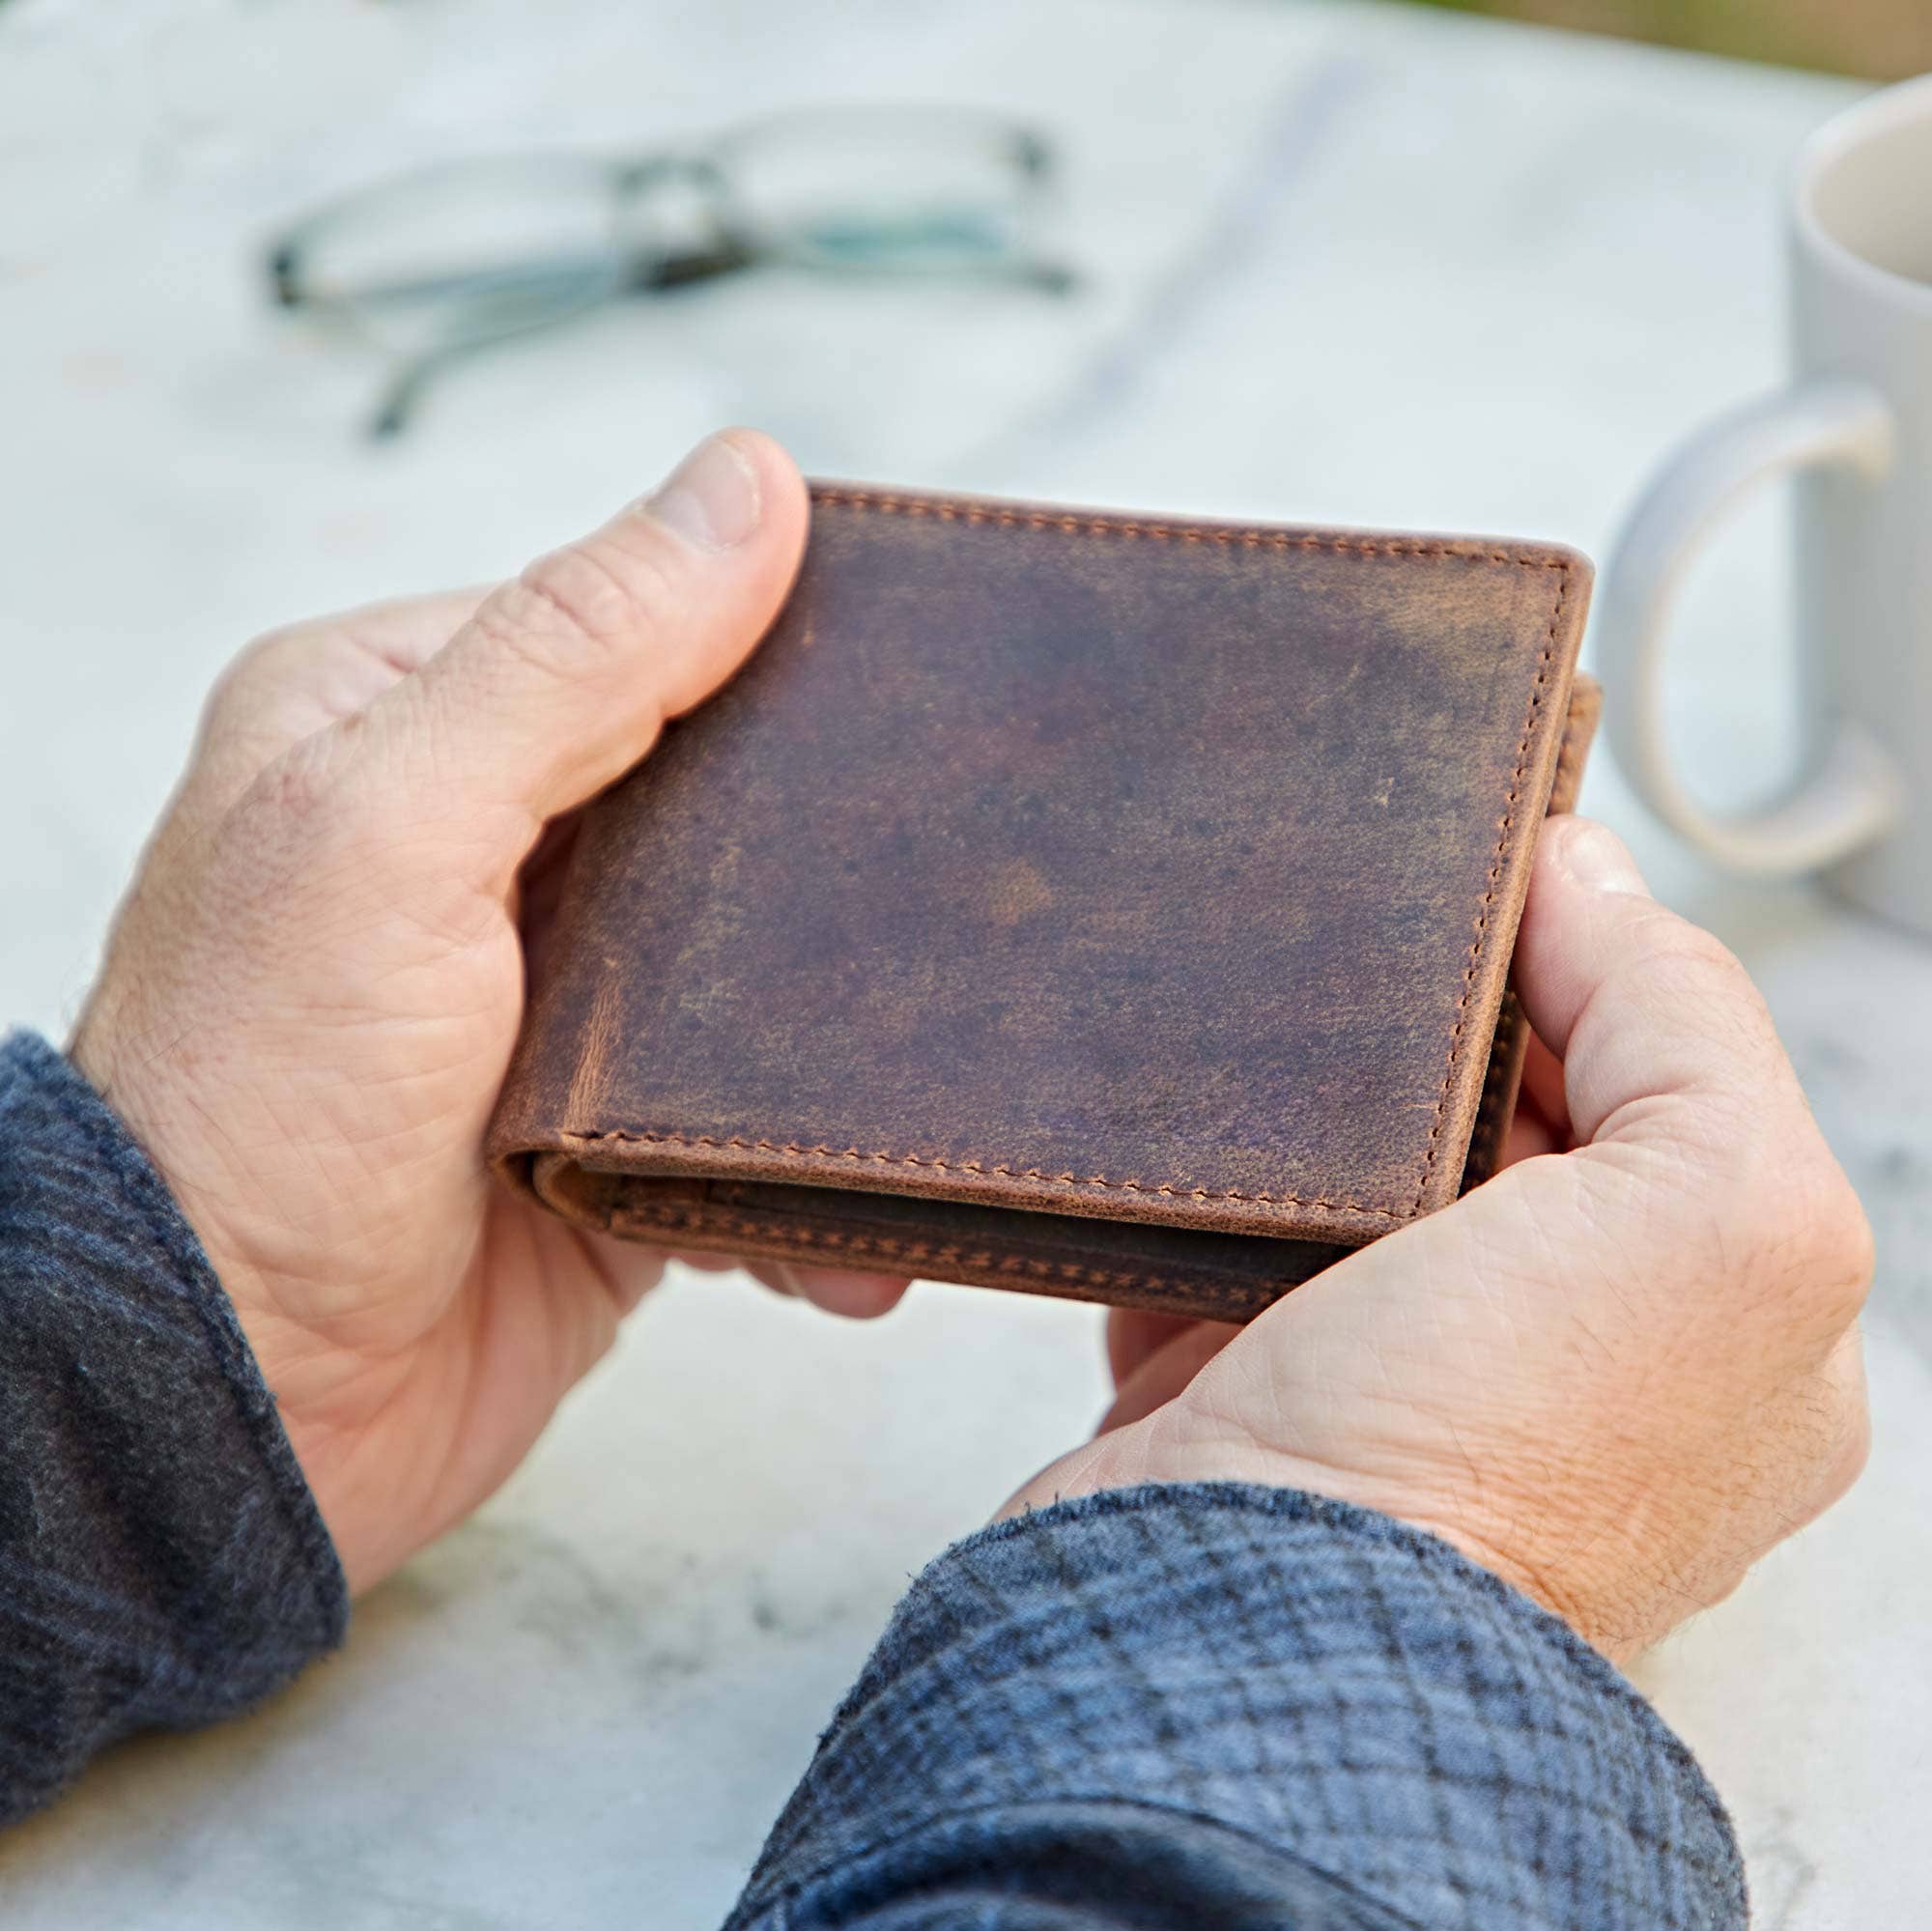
<point x="1345" y="263"/>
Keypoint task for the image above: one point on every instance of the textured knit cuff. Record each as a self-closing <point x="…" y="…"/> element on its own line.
<point x="161" y="1560"/>
<point x="1306" y="1674"/>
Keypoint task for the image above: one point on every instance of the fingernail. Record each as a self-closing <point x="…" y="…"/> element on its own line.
<point x="1597" y="860"/>
<point x="711" y="498"/>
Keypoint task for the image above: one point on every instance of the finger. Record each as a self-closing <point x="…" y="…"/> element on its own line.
<point x="1660" y="1033"/>
<point x="1543" y="1087"/>
<point x="627" y="1270"/>
<point x="294" y="682"/>
<point x="1529" y="1137"/>
<point x="1135" y="1333"/>
<point x="561" y="680"/>
<point x="342" y="663"/>
<point x="1540" y="1122"/>
<point x="398" y="637"/>
<point x="1167" y="1372"/>
<point x="775" y="1275"/>
<point x="849" y="1291"/>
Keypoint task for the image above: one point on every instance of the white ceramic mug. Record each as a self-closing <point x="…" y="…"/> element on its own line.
<point x="1856" y="426"/>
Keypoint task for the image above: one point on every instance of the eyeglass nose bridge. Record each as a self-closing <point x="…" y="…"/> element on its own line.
<point x="643" y="172"/>
<point x="285" y="275"/>
<point x="677" y="222"/>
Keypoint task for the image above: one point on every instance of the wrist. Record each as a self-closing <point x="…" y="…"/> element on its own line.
<point x="282" y="1354"/>
<point x="1154" y="1451"/>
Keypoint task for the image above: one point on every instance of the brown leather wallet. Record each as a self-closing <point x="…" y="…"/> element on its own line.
<point x="1101" y="905"/>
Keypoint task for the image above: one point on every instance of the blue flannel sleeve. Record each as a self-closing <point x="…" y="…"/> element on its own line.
<point x="1219" y="1705"/>
<point x="1233" y="1705"/>
<point x="161" y="1560"/>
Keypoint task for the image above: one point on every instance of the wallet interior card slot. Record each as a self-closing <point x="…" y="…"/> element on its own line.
<point x="1103" y="905"/>
<point x="1121" y="1263"/>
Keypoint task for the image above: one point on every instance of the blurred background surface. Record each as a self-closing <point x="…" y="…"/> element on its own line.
<point x="1886" y="40"/>
<point x="1358" y="264"/>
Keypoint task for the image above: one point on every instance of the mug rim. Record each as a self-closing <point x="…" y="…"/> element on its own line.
<point x="1877" y="113"/>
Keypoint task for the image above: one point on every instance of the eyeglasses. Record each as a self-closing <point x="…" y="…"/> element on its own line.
<point x="438" y="265"/>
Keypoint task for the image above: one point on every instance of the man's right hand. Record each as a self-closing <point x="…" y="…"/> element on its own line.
<point x="1620" y="1371"/>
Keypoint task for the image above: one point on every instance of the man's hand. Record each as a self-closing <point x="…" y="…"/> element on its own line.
<point x="1617" y="1374"/>
<point x="312" y="991"/>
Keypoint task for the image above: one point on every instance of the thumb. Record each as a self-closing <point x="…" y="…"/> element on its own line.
<point x="1661" y="1034"/>
<point x="562" y="679"/>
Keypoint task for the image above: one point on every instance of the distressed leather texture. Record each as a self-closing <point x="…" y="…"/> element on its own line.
<point x="1092" y="904"/>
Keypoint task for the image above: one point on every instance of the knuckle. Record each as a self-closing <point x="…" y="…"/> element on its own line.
<point x="1840" y="1245"/>
<point x="1709" y="1022"/>
<point x="1693" y="962"/>
<point x="304" y="804"/>
<point x="1813" y="1448"/>
<point x="294" y="789"/>
<point x="1811" y="1239"/>
<point x="594" y="596"/>
<point x="1847" y="1447"/>
<point x="1853" y="1453"/>
<point x="265" y="663"/>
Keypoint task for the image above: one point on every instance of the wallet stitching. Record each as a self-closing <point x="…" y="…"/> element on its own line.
<point x="1487" y="1136"/>
<point x="844" y="1221"/>
<point x="1484" y="926"/>
<point x="1568" y="762"/>
<point x="670" y="1218"/>
<point x="1089" y="524"/>
<point x="791" y="1151"/>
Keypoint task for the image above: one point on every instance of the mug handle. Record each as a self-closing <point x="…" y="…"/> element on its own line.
<point x="1855" y="791"/>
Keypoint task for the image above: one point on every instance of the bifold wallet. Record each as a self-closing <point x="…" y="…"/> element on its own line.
<point x="1101" y="905"/>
